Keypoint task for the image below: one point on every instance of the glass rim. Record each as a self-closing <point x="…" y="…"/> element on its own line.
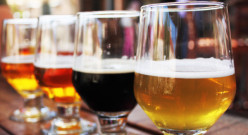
<point x="55" y="17"/>
<point x="109" y="14"/>
<point x="21" y="21"/>
<point x="51" y="18"/>
<point x="169" y="6"/>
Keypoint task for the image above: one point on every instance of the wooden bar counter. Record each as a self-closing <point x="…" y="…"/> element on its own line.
<point x="138" y="124"/>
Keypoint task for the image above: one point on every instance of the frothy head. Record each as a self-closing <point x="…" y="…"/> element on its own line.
<point x="187" y="68"/>
<point x="54" y="62"/>
<point x="106" y="66"/>
<point x="19" y="59"/>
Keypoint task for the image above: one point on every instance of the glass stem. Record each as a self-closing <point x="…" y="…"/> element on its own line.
<point x="110" y="124"/>
<point x="32" y="111"/>
<point x="68" y="110"/>
<point x="68" y="118"/>
<point x="36" y="102"/>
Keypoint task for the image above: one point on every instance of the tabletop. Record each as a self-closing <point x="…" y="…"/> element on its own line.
<point x="138" y="121"/>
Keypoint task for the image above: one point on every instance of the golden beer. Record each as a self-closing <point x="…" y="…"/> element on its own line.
<point x="188" y="101"/>
<point x="19" y="72"/>
<point x="57" y="84"/>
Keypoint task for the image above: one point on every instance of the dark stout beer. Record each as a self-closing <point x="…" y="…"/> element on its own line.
<point x="106" y="91"/>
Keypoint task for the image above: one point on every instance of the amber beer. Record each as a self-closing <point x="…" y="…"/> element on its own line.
<point x="19" y="72"/>
<point x="184" y="100"/>
<point x="56" y="82"/>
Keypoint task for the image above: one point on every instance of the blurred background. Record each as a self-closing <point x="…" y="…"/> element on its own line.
<point x="238" y="11"/>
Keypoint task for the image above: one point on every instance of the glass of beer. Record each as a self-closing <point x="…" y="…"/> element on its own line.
<point x="18" y="41"/>
<point x="53" y="70"/>
<point x="183" y="85"/>
<point x="103" y="70"/>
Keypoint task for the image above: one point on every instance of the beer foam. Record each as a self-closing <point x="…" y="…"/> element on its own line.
<point x="105" y="66"/>
<point x="187" y="68"/>
<point x="50" y="61"/>
<point x="18" y="59"/>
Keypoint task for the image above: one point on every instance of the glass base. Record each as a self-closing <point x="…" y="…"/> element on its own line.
<point x="119" y="133"/>
<point x="183" y="132"/>
<point x="32" y="114"/>
<point x="113" y="123"/>
<point x="73" y="127"/>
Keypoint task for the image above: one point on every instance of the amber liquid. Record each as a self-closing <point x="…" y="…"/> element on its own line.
<point x="57" y="84"/>
<point x="184" y="104"/>
<point x="20" y="76"/>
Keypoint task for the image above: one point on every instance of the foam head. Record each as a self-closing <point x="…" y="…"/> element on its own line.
<point x="187" y="68"/>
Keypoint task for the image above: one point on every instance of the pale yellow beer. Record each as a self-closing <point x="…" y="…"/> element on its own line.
<point x="185" y="99"/>
<point x="19" y="72"/>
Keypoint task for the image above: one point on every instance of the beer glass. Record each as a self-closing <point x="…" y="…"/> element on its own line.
<point x="182" y="84"/>
<point x="53" y="70"/>
<point x="103" y="70"/>
<point x="17" y="50"/>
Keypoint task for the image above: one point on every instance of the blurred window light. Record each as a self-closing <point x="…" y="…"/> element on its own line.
<point x="34" y="8"/>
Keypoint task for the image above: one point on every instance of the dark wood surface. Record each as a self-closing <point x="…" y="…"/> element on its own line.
<point x="138" y="122"/>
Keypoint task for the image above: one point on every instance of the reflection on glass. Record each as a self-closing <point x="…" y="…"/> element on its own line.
<point x="53" y="70"/>
<point x="103" y="71"/>
<point x="183" y="88"/>
<point x="17" y="67"/>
